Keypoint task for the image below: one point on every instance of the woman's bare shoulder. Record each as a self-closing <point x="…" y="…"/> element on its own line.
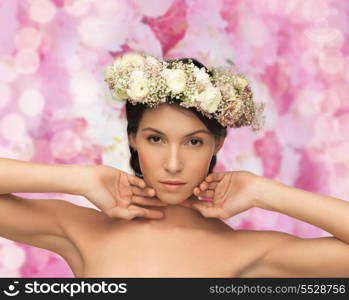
<point x="251" y="246"/>
<point x="258" y="242"/>
<point x="81" y="222"/>
<point x="79" y="213"/>
<point x="266" y="238"/>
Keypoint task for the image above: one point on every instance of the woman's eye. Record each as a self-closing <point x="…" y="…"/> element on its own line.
<point x="200" y="142"/>
<point x="155" y="139"/>
<point x="152" y="137"/>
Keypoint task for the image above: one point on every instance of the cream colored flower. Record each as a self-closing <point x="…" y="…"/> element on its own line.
<point x="139" y="86"/>
<point x="120" y="93"/>
<point x="116" y="64"/>
<point x="210" y="99"/>
<point x="152" y="61"/>
<point x="176" y="79"/>
<point x="109" y="73"/>
<point x="232" y="94"/>
<point x="138" y="90"/>
<point x="192" y="98"/>
<point x="132" y="59"/>
<point x="241" y="82"/>
<point x="201" y="76"/>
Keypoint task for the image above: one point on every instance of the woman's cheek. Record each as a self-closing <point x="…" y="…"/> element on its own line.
<point x="199" y="167"/>
<point x="146" y="164"/>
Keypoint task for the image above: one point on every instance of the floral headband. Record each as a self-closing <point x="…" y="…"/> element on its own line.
<point x="225" y="96"/>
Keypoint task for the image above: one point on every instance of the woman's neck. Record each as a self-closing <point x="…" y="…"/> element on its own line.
<point x="178" y="216"/>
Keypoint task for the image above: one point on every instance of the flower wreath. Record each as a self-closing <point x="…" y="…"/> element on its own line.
<point x="225" y="96"/>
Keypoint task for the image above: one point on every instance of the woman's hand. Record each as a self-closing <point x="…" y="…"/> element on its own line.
<point x="232" y="193"/>
<point x="115" y="193"/>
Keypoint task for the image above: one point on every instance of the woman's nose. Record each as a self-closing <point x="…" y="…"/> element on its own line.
<point x="173" y="161"/>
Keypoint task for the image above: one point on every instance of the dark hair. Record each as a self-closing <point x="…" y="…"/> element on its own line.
<point x="134" y="114"/>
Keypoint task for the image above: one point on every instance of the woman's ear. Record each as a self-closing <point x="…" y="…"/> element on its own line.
<point x="131" y="141"/>
<point x="219" y="144"/>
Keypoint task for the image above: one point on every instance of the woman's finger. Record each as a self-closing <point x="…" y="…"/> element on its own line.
<point x="124" y="213"/>
<point x="206" y="194"/>
<point x="134" y="180"/>
<point x="209" y="211"/>
<point x="123" y="202"/>
<point x="214" y="177"/>
<point x="134" y="211"/>
<point x="148" y="201"/>
<point x="152" y="214"/>
<point x="146" y="192"/>
<point x="207" y="208"/>
<point x="210" y="186"/>
<point x="148" y="213"/>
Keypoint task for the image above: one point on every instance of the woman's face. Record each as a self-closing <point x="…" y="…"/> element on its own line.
<point x="169" y="150"/>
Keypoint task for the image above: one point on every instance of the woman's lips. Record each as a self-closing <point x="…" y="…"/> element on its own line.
<point x="172" y="187"/>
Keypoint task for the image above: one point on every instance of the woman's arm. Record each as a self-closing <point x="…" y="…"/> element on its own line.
<point x="328" y="213"/>
<point x="39" y="222"/>
<point x="236" y="191"/>
<point x="27" y="177"/>
<point x="283" y="255"/>
<point x="111" y="190"/>
<point x="290" y="256"/>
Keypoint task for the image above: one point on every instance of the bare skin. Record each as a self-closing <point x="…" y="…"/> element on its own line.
<point x="125" y="237"/>
<point x="186" y="243"/>
<point x="144" y="233"/>
<point x="95" y="244"/>
<point x="177" y="242"/>
<point x="111" y="247"/>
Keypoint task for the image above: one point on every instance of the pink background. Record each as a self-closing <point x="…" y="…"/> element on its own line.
<point x="55" y="107"/>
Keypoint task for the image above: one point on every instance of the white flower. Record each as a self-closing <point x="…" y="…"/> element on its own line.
<point x="138" y="90"/>
<point x="116" y="64"/>
<point x="131" y="59"/>
<point x="231" y="93"/>
<point x="175" y="78"/>
<point x="152" y="61"/>
<point x="201" y="76"/>
<point x="139" y="87"/>
<point x="109" y="73"/>
<point x="241" y="82"/>
<point x="192" y="98"/>
<point x="209" y="99"/>
<point x="120" y="93"/>
<point x="137" y="75"/>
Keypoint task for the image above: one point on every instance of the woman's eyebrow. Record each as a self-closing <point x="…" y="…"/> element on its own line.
<point x="189" y="134"/>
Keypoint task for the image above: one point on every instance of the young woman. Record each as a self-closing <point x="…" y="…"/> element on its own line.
<point x="147" y="228"/>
